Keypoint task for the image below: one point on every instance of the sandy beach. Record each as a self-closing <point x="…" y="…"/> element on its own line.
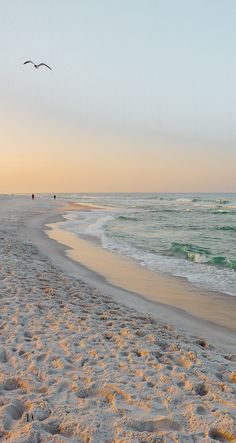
<point x="84" y="361"/>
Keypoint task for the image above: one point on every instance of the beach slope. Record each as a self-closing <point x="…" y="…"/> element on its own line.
<point x="76" y="366"/>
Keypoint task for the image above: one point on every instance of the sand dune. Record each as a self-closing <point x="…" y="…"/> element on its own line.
<point x="75" y="366"/>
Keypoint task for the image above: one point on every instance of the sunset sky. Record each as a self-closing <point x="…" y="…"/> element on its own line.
<point x="141" y="97"/>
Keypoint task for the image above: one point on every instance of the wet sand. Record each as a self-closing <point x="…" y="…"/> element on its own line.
<point x="126" y="273"/>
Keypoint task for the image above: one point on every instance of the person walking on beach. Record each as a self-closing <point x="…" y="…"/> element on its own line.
<point x="32" y="196"/>
<point x="54" y="196"/>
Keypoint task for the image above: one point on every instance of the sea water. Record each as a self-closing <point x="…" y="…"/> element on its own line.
<point x="187" y="235"/>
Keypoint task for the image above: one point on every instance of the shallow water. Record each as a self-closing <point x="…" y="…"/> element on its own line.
<point x="188" y="235"/>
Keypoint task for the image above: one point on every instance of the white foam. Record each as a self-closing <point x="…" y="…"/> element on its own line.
<point x="89" y="223"/>
<point x="184" y="200"/>
<point x="94" y="224"/>
<point x="198" y="273"/>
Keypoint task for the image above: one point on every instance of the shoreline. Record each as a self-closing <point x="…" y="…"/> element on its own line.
<point x="158" y="307"/>
<point x="124" y="272"/>
<point x="94" y="363"/>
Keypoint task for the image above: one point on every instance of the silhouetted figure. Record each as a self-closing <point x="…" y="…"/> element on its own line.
<point x="32" y="196"/>
<point x="54" y="196"/>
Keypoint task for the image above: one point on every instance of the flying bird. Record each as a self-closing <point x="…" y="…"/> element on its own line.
<point x="37" y="66"/>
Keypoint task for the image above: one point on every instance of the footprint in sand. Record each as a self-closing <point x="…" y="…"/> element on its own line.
<point x="41" y="357"/>
<point x="161" y="425"/>
<point x="3" y="355"/>
<point x="10" y="384"/>
<point x="52" y="427"/>
<point x="66" y="429"/>
<point x="28" y="336"/>
<point x="200" y="410"/>
<point x="201" y="389"/>
<point x="13" y="412"/>
<point x="202" y="343"/>
<point x="221" y="435"/>
<point x="230" y="357"/>
<point x="40" y="412"/>
<point x="21" y="352"/>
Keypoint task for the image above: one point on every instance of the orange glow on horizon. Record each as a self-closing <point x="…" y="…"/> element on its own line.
<point x="52" y="160"/>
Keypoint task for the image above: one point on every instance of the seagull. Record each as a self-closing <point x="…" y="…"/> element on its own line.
<point x="37" y="66"/>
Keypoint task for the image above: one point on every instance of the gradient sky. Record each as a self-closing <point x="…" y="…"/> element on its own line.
<point x="142" y="95"/>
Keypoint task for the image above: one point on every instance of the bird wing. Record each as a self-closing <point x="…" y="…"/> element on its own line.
<point x="44" y="64"/>
<point x="28" y="61"/>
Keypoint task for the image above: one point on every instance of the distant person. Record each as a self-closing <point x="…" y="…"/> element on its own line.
<point x="32" y="196"/>
<point x="54" y="196"/>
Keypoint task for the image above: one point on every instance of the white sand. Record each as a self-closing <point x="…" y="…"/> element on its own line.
<point x="76" y="366"/>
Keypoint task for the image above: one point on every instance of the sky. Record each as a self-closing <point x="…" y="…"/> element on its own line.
<point x="141" y="96"/>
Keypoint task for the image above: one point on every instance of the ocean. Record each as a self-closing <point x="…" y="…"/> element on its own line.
<point x="187" y="235"/>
